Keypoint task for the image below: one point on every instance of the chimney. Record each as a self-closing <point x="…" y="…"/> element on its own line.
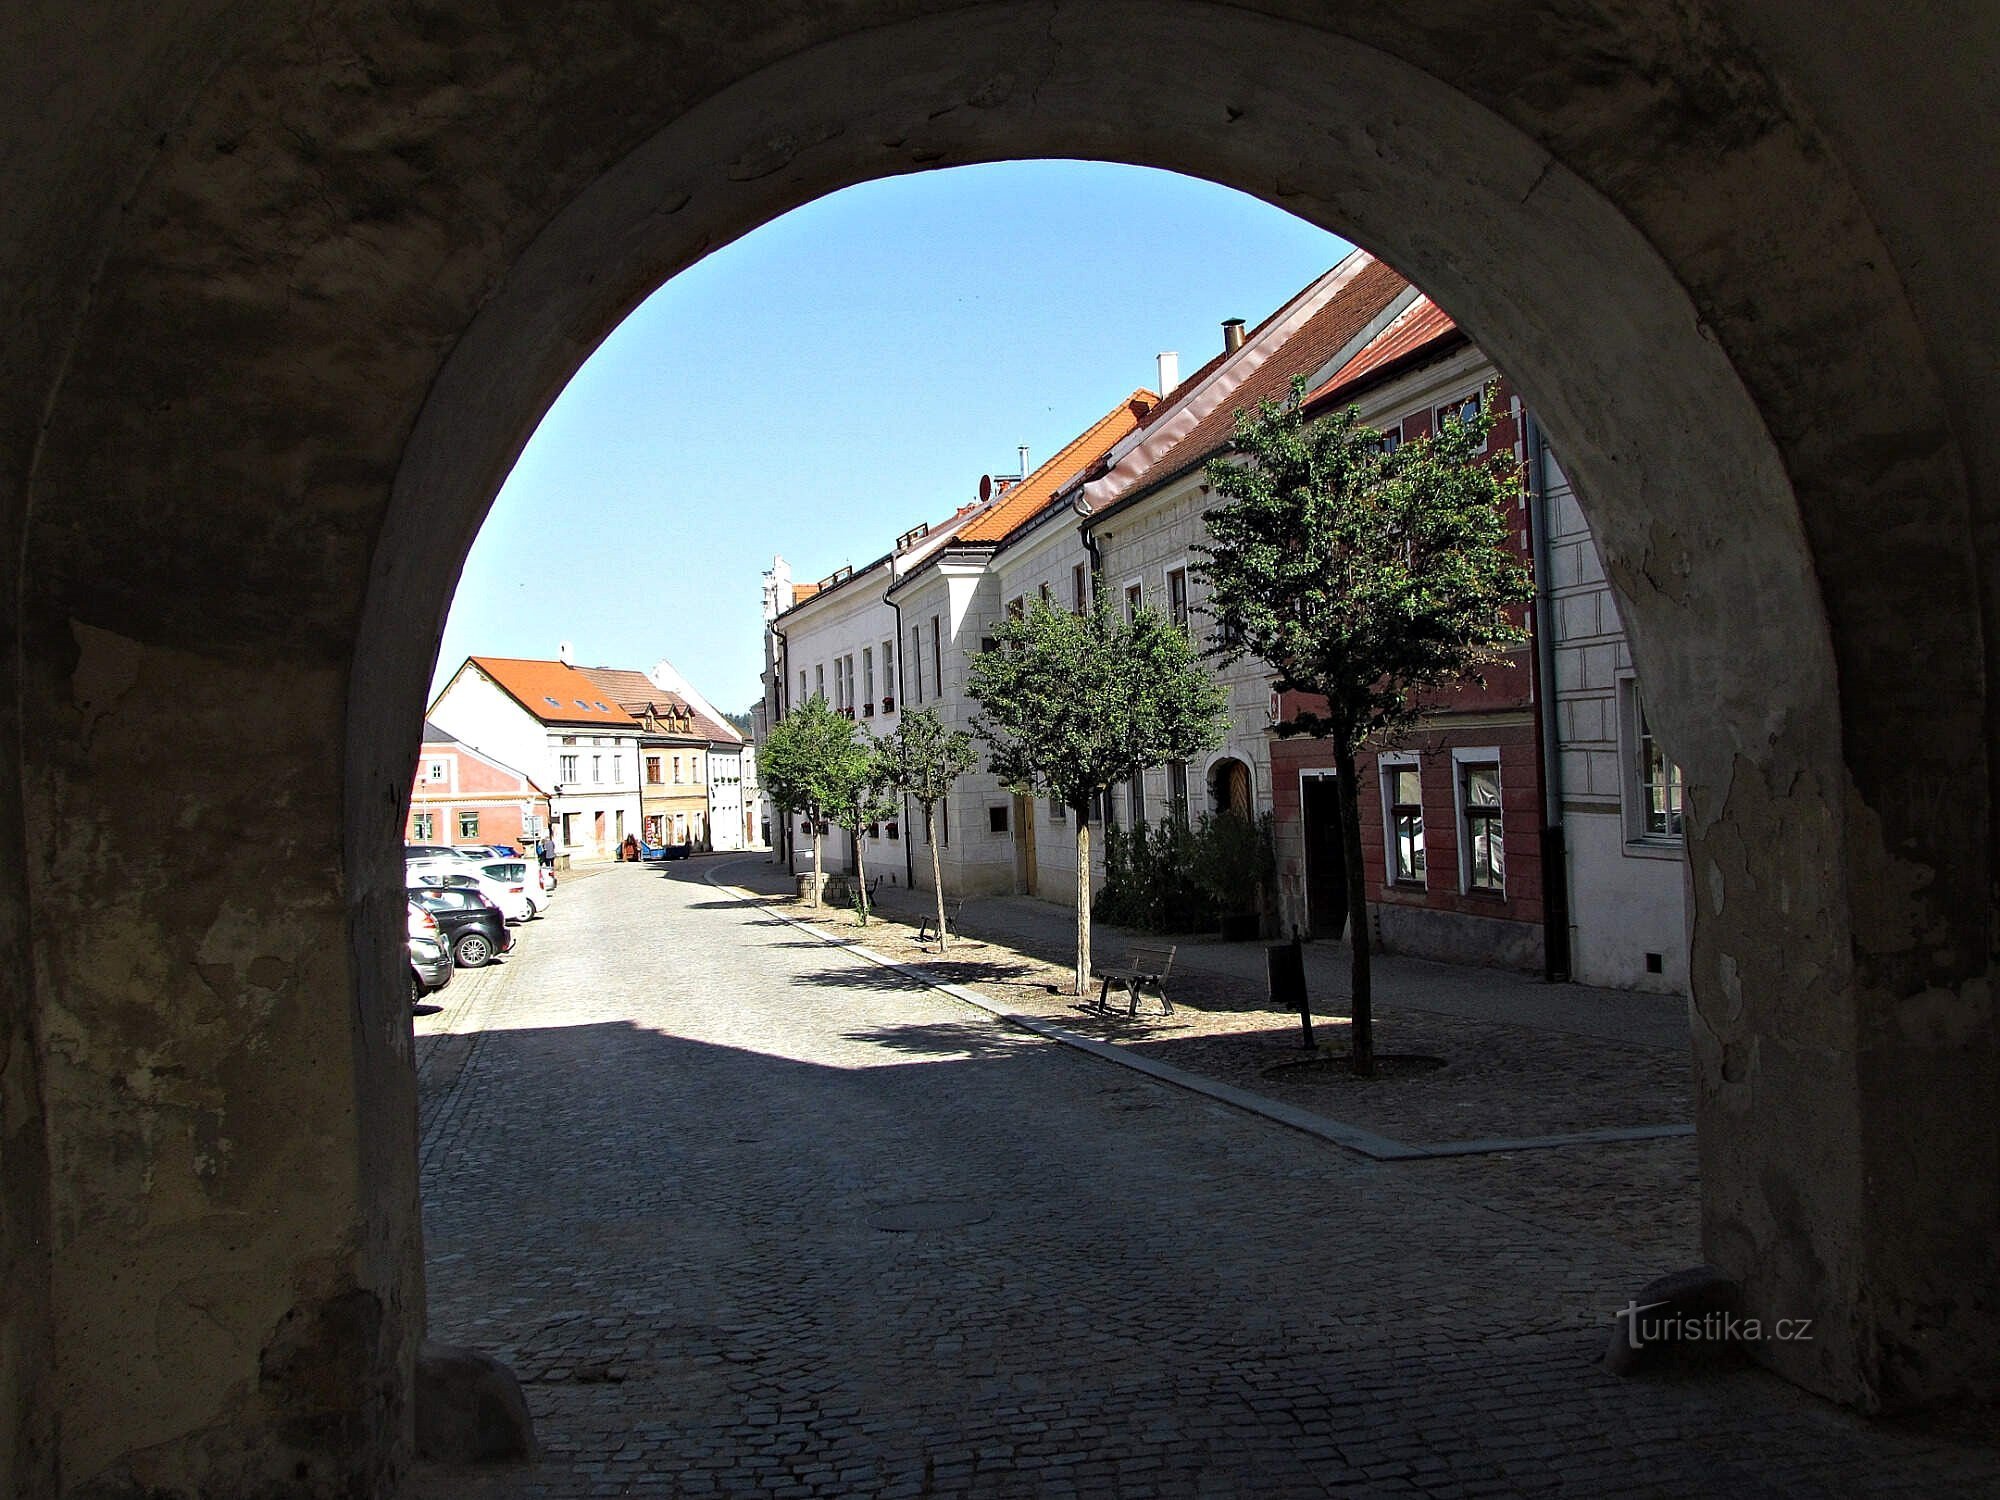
<point x="565" y="654"/>
<point x="1232" y="335"/>
<point x="1023" y="451"/>
<point x="1170" y="372"/>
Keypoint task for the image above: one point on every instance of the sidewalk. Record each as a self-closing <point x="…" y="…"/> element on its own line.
<point x="1522" y="1061"/>
<point x="1561" y="1105"/>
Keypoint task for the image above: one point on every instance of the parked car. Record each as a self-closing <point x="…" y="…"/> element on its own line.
<point x="430" y="960"/>
<point x="511" y="898"/>
<point x="517" y="873"/>
<point x="472" y="926"/>
<point x="427" y="851"/>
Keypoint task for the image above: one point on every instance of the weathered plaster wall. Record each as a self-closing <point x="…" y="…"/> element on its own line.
<point x="288" y="290"/>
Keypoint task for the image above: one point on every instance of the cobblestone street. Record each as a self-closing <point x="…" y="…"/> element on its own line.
<point x="750" y="1215"/>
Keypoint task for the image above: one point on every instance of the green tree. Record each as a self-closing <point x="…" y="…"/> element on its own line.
<point x="809" y="765"/>
<point x="924" y="759"/>
<point x="1361" y="576"/>
<point x="862" y="797"/>
<point x="1072" y="704"/>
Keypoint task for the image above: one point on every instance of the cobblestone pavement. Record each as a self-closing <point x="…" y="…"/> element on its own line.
<point x="671" y="1165"/>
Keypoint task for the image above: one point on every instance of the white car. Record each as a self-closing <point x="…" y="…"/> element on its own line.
<point x="510" y="896"/>
<point x="527" y="874"/>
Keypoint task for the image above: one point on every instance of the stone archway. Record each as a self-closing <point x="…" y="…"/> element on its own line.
<point x="293" y="293"/>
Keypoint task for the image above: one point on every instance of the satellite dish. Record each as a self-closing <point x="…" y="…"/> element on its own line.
<point x="985" y="487"/>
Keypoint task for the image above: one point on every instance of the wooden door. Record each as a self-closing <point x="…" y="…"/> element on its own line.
<point x="1024" y="845"/>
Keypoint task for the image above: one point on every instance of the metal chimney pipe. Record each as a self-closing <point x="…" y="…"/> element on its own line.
<point x="1023" y="451"/>
<point x="1170" y="372"/>
<point x="1232" y="335"/>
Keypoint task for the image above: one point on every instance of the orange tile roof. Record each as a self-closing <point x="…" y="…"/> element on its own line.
<point x="633" y="691"/>
<point x="553" y="692"/>
<point x="1025" y="499"/>
<point x="1315" y="342"/>
<point x="1423" y="322"/>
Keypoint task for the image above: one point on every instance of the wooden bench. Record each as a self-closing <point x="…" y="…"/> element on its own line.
<point x="1143" y="964"/>
<point x="928" y="927"/>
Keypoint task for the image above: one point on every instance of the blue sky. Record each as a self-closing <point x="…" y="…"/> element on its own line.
<point x="838" y="376"/>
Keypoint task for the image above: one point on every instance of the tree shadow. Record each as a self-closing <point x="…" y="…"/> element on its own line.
<point x="976" y="1039"/>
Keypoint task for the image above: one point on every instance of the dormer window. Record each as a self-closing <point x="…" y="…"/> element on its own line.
<point x="552" y="702"/>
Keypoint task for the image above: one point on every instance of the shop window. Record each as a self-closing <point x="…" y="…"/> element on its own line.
<point x="468" y="828"/>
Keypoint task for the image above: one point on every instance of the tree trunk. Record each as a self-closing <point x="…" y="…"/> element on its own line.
<point x="860" y="879"/>
<point x="1082" y="901"/>
<point x="937" y="875"/>
<point x="818" y="877"/>
<point x="1362" y="1033"/>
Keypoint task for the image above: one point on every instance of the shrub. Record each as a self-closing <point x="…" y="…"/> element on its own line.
<point x="1168" y="877"/>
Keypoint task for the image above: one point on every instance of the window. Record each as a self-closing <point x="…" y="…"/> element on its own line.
<point x="1177" y="793"/>
<point x="889" y="674"/>
<point x="1484" y="859"/>
<point x="1017" y="607"/>
<point x="1392" y="437"/>
<point x="1135" y="599"/>
<point x="568" y="771"/>
<point x="917" y="658"/>
<point x="1045" y="596"/>
<point x="1465" y="409"/>
<point x="802" y="684"/>
<point x="1655" y="797"/>
<point x="617" y="770"/>
<point x="468" y="827"/>
<point x="1079" y="588"/>
<point x="653" y="770"/>
<point x="996" y="818"/>
<point x="597" y="768"/>
<point x="1057" y="812"/>
<point x="937" y="657"/>
<point x="1135" y="796"/>
<point x="944" y="825"/>
<point x="819" y="682"/>
<point x="678" y="771"/>
<point x="868" y="675"/>
<point x="1177" y="596"/>
<point x="1403" y="796"/>
<point x="1107" y="808"/>
<point x="436" y="771"/>
<point x="423" y="827"/>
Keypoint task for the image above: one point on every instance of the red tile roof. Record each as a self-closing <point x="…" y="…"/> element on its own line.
<point x="1419" y="325"/>
<point x="552" y="691"/>
<point x="1316" y="341"/>
<point x="634" y="692"/>
<point x="1016" y="505"/>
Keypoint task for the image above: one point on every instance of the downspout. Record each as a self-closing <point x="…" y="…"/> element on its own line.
<point x="909" y="847"/>
<point x="785" y="699"/>
<point x="1555" y="850"/>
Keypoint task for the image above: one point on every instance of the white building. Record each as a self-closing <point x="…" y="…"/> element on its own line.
<point x="552" y="721"/>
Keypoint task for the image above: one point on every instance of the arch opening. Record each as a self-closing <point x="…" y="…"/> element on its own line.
<point x="1844" y="926"/>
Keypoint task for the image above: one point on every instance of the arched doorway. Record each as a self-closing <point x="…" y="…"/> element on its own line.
<point x="297" y="304"/>
<point x="1229" y="788"/>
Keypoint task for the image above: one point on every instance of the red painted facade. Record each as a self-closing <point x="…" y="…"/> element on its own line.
<point x="1497" y="714"/>
<point x="454" y="783"/>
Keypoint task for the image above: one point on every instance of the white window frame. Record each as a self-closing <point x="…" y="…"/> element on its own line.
<point x="1461" y="757"/>
<point x="1455" y="406"/>
<point x="868" y="675"/>
<point x="437" y="772"/>
<point x="1639" y="843"/>
<point x="1386" y="763"/>
<point x="566" y="768"/>
<point x="1132" y="605"/>
<point x="423" y="827"/>
<point x="1179" y="565"/>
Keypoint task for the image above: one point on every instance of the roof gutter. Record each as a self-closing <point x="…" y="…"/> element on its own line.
<point x="1555" y="852"/>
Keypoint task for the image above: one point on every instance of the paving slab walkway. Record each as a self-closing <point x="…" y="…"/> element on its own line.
<point x="747" y="1227"/>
